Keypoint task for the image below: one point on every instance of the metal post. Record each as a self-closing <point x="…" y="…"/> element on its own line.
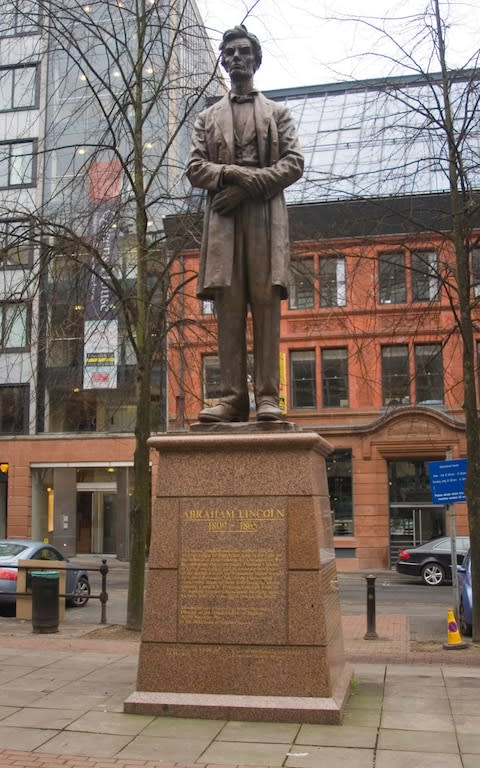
<point x="103" y="594"/>
<point x="371" y="633"/>
<point x="450" y="514"/>
<point x="453" y="539"/>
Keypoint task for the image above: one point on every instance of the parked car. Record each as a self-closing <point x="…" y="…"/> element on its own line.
<point x="464" y="572"/>
<point x="13" y="550"/>
<point x="432" y="561"/>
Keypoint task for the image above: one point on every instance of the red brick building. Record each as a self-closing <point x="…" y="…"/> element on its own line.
<point x="372" y="360"/>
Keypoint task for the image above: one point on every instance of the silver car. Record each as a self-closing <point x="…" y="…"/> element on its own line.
<point x="12" y="550"/>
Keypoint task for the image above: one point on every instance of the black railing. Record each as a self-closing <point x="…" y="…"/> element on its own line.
<point x="50" y="566"/>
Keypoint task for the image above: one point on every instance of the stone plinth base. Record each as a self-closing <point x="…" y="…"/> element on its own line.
<point x="242" y="615"/>
<point x="271" y="709"/>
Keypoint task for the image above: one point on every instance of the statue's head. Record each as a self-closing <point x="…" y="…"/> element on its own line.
<point x="240" y="31"/>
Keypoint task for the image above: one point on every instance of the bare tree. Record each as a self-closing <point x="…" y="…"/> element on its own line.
<point x="433" y="134"/>
<point x="124" y="81"/>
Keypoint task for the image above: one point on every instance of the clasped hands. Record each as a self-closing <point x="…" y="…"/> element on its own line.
<point x="241" y="183"/>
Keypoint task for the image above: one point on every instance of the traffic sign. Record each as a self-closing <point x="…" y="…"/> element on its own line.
<point x="447" y="480"/>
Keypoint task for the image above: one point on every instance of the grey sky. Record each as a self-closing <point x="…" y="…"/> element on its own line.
<point x="318" y="41"/>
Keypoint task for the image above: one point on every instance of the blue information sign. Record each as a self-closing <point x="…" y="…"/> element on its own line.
<point x="447" y="480"/>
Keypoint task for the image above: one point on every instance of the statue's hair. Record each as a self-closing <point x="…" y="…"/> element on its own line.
<point x="241" y="31"/>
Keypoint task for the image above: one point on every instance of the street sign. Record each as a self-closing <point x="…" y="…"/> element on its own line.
<point x="447" y="480"/>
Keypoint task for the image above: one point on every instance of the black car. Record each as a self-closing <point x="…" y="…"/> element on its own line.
<point x="432" y="561"/>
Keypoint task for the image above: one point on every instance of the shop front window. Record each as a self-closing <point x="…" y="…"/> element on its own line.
<point x="339" y="475"/>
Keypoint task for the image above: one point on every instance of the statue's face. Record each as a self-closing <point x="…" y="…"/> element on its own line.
<point x="239" y="59"/>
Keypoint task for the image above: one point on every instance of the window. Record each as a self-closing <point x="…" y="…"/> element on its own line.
<point x="14" y="410"/>
<point x="429" y="373"/>
<point x="19" y="18"/>
<point x="334" y="378"/>
<point x="332" y="281"/>
<point x="18" y="88"/>
<point x="17" y="168"/>
<point x="392" y="278"/>
<point x="16" y="243"/>
<point x="301" y="288"/>
<point x="476" y="272"/>
<point x="15" y="326"/>
<point x="212" y="388"/>
<point x="395" y="375"/>
<point x="339" y="475"/>
<point x="425" y="278"/>
<point x="302" y="379"/>
<point x="208" y="307"/>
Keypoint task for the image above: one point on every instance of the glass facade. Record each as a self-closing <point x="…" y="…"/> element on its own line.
<point x="14" y="408"/>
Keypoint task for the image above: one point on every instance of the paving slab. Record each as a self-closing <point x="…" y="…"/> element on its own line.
<point x="184" y="728"/>
<point x="7" y="711"/>
<point x="470" y="761"/>
<point x="16" y="697"/>
<point x="110" y="722"/>
<point x="422" y="705"/>
<point x="30" y="717"/>
<point x="164" y="749"/>
<point x="364" y="699"/>
<point x="470" y="742"/>
<point x="392" y="759"/>
<point x="333" y="757"/>
<point x="369" y="718"/>
<point x="271" y="733"/>
<point x="333" y="736"/>
<point x="423" y="741"/>
<point x="417" y="721"/>
<point x="406" y="672"/>
<point x="246" y="753"/>
<point x="24" y="738"/>
<point x="88" y="744"/>
<point x="467" y="723"/>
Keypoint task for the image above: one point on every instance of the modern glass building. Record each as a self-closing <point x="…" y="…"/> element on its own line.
<point x="96" y="107"/>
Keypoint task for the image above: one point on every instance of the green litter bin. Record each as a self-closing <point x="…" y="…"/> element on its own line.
<point x="45" y="591"/>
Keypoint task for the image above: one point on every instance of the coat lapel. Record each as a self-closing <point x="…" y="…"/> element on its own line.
<point x="224" y="125"/>
<point x="263" y="115"/>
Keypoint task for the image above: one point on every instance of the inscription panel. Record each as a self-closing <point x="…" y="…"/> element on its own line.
<point x="232" y="573"/>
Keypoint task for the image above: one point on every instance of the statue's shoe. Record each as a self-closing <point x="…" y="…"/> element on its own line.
<point x="222" y="412"/>
<point x="268" y="410"/>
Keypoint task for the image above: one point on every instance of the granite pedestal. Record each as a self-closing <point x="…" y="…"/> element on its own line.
<point x="242" y="615"/>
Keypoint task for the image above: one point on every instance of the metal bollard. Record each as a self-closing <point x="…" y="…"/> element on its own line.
<point x="103" y="593"/>
<point x="371" y="633"/>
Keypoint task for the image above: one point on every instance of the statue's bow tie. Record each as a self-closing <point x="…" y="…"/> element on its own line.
<point x="241" y="99"/>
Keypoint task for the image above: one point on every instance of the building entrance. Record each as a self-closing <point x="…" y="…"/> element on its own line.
<point x="413" y="519"/>
<point x="411" y="526"/>
<point x="96" y="515"/>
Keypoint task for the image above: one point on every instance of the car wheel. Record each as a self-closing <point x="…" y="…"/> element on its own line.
<point x="82" y="593"/>
<point x="465" y="629"/>
<point x="433" y="574"/>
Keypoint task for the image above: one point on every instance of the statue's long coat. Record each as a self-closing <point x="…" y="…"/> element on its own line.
<point x="281" y="163"/>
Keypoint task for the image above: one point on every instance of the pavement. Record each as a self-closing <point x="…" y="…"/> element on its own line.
<point x="413" y="702"/>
